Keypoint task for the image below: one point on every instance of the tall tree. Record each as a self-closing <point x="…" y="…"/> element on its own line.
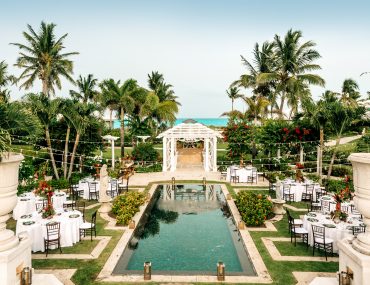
<point x="233" y="93"/>
<point x="5" y="80"/>
<point x="45" y="110"/>
<point x="120" y="98"/>
<point x="293" y="61"/>
<point x="86" y="89"/>
<point x="256" y="108"/>
<point x="350" y="93"/>
<point x="42" y="58"/>
<point x="262" y="62"/>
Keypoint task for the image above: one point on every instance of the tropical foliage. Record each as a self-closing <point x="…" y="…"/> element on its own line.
<point x="254" y="208"/>
<point x="126" y="206"/>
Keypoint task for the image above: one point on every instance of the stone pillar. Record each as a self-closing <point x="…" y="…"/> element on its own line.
<point x="15" y="252"/>
<point x="354" y="254"/>
<point x="173" y="155"/>
<point x="301" y="159"/>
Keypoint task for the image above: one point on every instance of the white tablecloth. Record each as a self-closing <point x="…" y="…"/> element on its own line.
<point x="84" y="185"/>
<point x="69" y="228"/>
<point x="243" y="173"/>
<point x="27" y="203"/>
<point x="341" y="230"/>
<point x="297" y="189"/>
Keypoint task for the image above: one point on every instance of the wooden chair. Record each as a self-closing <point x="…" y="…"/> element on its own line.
<point x="307" y="195"/>
<point x="89" y="228"/>
<point x="53" y="236"/>
<point x="254" y="176"/>
<point x="293" y="222"/>
<point x="113" y="191"/>
<point x="320" y="241"/>
<point x="288" y="196"/>
<point x="358" y="229"/>
<point x="93" y="192"/>
<point x="80" y="206"/>
<point x="233" y="177"/>
<point x="40" y="204"/>
<point x="315" y="206"/>
<point x="297" y="231"/>
<point x="325" y="206"/>
<point x="69" y="205"/>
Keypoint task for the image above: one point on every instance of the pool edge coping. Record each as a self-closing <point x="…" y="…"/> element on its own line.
<point x="262" y="274"/>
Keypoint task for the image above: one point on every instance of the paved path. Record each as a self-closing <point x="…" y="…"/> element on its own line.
<point x="343" y="140"/>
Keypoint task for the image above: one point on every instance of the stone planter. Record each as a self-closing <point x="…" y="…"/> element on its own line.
<point x="9" y="167"/>
<point x="278" y="208"/>
<point x="361" y="180"/>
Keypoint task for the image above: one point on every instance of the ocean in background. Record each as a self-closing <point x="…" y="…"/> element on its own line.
<point x="216" y="122"/>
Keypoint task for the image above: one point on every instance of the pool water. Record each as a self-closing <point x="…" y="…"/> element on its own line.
<point x="187" y="231"/>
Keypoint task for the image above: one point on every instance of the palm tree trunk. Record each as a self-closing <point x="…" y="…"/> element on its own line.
<point x="45" y="88"/>
<point x="282" y="104"/>
<point x="71" y="163"/>
<point x="65" y="160"/>
<point x="47" y="134"/>
<point x="321" y="152"/>
<point x="110" y="118"/>
<point x="122" y="132"/>
<point x="232" y="104"/>
<point x="335" y="149"/>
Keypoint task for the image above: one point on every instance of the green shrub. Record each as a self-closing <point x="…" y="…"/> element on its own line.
<point x="126" y="206"/>
<point x="27" y="185"/>
<point x="313" y="177"/>
<point x="145" y="152"/>
<point x="335" y="186"/>
<point x="156" y="167"/>
<point x="271" y="176"/>
<point x="254" y="208"/>
<point x="59" y="184"/>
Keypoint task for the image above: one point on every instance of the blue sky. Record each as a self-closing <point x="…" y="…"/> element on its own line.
<point x="195" y="44"/>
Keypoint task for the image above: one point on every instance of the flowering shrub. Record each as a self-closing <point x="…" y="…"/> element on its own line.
<point x="254" y="208"/>
<point x="239" y="135"/>
<point x="44" y="189"/>
<point x="144" y="152"/>
<point x="126" y="206"/>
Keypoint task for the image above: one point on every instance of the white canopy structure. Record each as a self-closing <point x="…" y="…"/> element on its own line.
<point x="190" y="132"/>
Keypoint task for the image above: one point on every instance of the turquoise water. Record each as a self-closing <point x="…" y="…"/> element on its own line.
<point x="217" y="122"/>
<point x="187" y="232"/>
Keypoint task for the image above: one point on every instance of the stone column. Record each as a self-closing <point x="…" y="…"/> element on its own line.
<point x="354" y="255"/>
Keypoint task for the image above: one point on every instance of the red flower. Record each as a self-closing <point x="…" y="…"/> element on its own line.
<point x="306" y="132"/>
<point x="286" y="130"/>
<point x="297" y="131"/>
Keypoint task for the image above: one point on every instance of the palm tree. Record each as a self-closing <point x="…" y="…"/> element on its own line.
<point x="45" y="110"/>
<point x="42" y="58"/>
<point x="5" y="79"/>
<point x="160" y="88"/>
<point x="263" y="62"/>
<point x="81" y="116"/>
<point x="120" y="98"/>
<point x="293" y="61"/>
<point x="257" y="108"/>
<point x="300" y="95"/>
<point x="233" y="94"/>
<point x="350" y="93"/>
<point x="86" y="89"/>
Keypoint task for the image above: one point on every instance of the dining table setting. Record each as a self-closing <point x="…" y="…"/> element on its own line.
<point x="334" y="231"/>
<point x="244" y="173"/>
<point x="30" y="202"/>
<point x="298" y="188"/>
<point x="35" y="225"/>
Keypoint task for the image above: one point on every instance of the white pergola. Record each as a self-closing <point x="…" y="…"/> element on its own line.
<point x="190" y="132"/>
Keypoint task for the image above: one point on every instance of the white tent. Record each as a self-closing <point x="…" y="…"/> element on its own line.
<point x="190" y="132"/>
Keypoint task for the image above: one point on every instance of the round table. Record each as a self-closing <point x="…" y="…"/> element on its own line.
<point x="245" y="173"/>
<point x="35" y="226"/>
<point x="334" y="231"/>
<point x="298" y="188"/>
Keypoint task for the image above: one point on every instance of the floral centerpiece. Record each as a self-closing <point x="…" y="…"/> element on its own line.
<point x="45" y="190"/>
<point x="339" y="197"/>
<point x="298" y="173"/>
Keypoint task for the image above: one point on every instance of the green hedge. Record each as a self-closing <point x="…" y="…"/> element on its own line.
<point x="144" y="152"/>
<point x="59" y="184"/>
<point x="254" y="208"/>
<point x="126" y="206"/>
<point x="335" y="186"/>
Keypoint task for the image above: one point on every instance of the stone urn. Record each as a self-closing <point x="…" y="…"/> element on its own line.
<point x="9" y="167"/>
<point x="361" y="180"/>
